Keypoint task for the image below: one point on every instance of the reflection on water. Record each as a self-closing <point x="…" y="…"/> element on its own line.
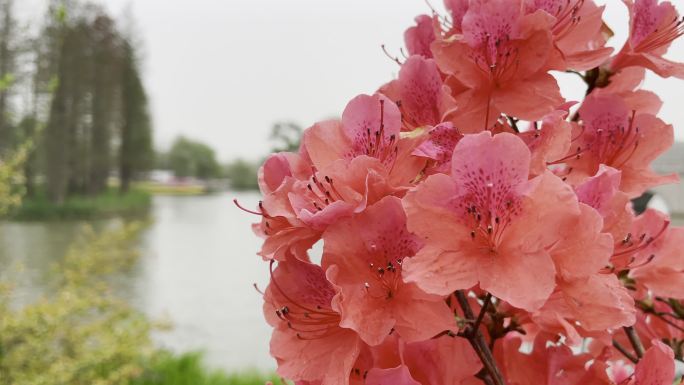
<point x="197" y="271"/>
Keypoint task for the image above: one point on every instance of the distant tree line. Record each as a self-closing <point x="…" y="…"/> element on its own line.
<point x="74" y="88"/>
<point x="242" y="174"/>
<point x="191" y="158"/>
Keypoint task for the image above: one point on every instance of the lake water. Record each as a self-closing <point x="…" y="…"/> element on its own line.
<point x="197" y="270"/>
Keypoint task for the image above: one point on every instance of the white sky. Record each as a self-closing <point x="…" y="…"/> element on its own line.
<point x="223" y="71"/>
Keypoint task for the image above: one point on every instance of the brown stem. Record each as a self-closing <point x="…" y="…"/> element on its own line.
<point x="477" y="341"/>
<point x="625" y="352"/>
<point x="514" y="123"/>
<point x="484" y="376"/>
<point x="480" y="316"/>
<point x="634" y="340"/>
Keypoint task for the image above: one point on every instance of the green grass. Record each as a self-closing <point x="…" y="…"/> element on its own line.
<point x="162" y="189"/>
<point x="188" y="369"/>
<point x="108" y="204"/>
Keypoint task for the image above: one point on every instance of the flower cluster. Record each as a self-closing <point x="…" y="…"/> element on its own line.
<point x="476" y="226"/>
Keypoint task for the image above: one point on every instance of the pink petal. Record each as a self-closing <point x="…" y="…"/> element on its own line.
<point x="420" y="90"/>
<point x="656" y="367"/>
<point x="326" y="142"/>
<point x="531" y="98"/>
<point x="524" y="279"/>
<point x="419" y="37"/>
<point x="394" y="376"/>
<point x="362" y="118"/>
<point x="599" y="302"/>
<point x="585" y="249"/>
<point x="442" y="272"/>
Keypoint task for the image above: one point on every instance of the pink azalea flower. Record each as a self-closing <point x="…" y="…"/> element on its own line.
<point x="426" y="362"/>
<point x="500" y="63"/>
<point x="653" y="27"/>
<point x="439" y="147"/>
<point x="550" y="142"/>
<point x="363" y="256"/>
<point x="626" y="140"/>
<point x="419" y="37"/>
<point x="592" y="304"/>
<point x="602" y="192"/>
<point x="656" y="368"/>
<point x="636" y="248"/>
<point x="488" y="224"/>
<point x="339" y="189"/>
<point x="577" y="32"/>
<point x="370" y="127"/>
<point x="307" y="340"/>
<point x="420" y="93"/>
<point x="464" y="176"/>
<point x="432" y="361"/>
<point x="664" y="275"/>
<point x="280" y="166"/>
<point x="457" y="10"/>
<point x="392" y="376"/>
<point x="303" y="204"/>
<point x="282" y="231"/>
<point x="624" y="84"/>
<point x="584" y="299"/>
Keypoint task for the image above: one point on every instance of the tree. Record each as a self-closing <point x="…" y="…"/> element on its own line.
<point x="135" y="152"/>
<point x="242" y="175"/>
<point x="64" y="168"/>
<point x="7" y="62"/>
<point x="191" y="158"/>
<point x="106" y="61"/>
<point x="285" y="136"/>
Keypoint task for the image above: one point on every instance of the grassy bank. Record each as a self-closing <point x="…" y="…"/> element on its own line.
<point x="108" y="204"/>
<point x="188" y="369"/>
<point x="168" y="189"/>
<point x="82" y="333"/>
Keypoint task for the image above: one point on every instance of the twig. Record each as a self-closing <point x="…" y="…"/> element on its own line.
<point x="625" y="352"/>
<point x="635" y="341"/>
<point x="484" y="376"/>
<point x="514" y="123"/>
<point x="478" y="342"/>
<point x="487" y="300"/>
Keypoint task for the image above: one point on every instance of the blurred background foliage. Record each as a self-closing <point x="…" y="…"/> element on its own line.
<point x="83" y="334"/>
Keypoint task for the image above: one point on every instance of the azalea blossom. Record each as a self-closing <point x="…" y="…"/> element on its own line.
<point x="499" y="65"/>
<point x="422" y="96"/>
<point x="485" y="223"/>
<point x="370" y="127"/>
<point x="654" y="26"/>
<point x="627" y="140"/>
<point x="298" y="303"/>
<point x="578" y="33"/>
<point x="419" y="37"/>
<point x="364" y="257"/>
<point x="476" y="228"/>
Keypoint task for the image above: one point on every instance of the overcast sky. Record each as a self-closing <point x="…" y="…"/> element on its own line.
<point x="223" y="71"/>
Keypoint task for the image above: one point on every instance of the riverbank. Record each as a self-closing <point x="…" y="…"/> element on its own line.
<point x="82" y="330"/>
<point x="108" y="204"/>
<point x="189" y="369"/>
<point x="196" y="271"/>
<point x="182" y="189"/>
